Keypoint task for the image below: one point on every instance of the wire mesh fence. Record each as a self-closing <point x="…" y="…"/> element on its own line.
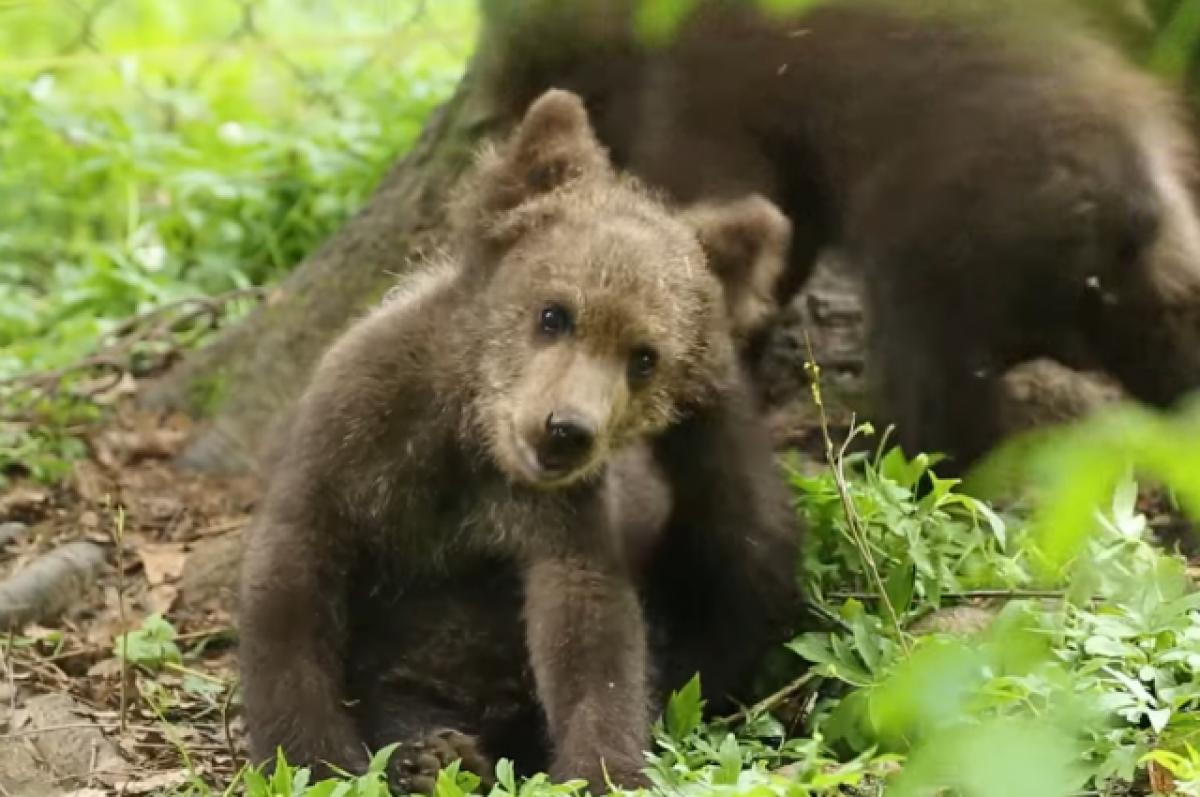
<point x="277" y="50"/>
<point x="152" y="150"/>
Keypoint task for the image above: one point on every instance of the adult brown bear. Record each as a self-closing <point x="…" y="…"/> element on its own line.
<point x="1011" y="187"/>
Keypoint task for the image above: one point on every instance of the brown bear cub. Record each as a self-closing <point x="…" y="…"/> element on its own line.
<point x="440" y="559"/>
<point x="1010" y="186"/>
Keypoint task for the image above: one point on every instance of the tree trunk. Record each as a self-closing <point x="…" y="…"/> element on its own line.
<point x="242" y="383"/>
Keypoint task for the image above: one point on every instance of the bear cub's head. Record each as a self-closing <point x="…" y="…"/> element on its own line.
<point x="599" y="322"/>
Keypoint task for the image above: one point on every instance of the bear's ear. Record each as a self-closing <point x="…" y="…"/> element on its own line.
<point x="552" y="146"/>
<point x="746" y="243"/>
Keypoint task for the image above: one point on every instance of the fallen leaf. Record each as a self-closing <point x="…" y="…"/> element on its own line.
<point x="162" y="561"/>
<point x="24" y="503"/>
<point x="90" y="482"/>
<point x="105" y="668"/>
<point x="154" y="782"/>
<point x="159" y="599"/>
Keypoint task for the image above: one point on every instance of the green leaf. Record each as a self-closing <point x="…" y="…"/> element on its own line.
<point x="379" y="760"/>
<point x="152" y="645"/>
<point x="505" y="775"/>
<point x="814" y="647"/>
<point x="684" y="710"/>
<point x="899" y="588"/>
<point x="281" y="779"/>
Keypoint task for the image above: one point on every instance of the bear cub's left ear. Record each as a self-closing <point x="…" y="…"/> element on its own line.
<point x="746" y="242"/>
<point x="554" y="145"/>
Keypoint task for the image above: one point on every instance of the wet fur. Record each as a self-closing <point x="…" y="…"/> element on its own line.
<point x="1010" y="190"/>
<point x="405" y="581"/>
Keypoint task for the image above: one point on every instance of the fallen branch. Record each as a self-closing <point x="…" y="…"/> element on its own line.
<point x="121" y="351"/>
<point x="771" y="701"/>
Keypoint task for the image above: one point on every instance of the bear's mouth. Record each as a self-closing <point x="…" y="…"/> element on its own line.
<point x="529" y="466"/>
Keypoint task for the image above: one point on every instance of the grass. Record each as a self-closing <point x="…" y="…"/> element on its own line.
<point x="150" y="171"/>
<point x="174" y="151"/>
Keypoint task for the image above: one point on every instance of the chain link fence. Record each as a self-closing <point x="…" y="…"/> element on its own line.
<point x="152" y="150"/>
<point x="317" y="49"/>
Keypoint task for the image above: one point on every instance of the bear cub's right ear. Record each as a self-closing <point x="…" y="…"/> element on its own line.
<point x="554" y="145"/>
<point x="746" y="242"/>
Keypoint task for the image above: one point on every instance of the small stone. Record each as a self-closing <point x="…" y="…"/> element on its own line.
<point x="209" y="578"/>
<point x="11" y="532"/>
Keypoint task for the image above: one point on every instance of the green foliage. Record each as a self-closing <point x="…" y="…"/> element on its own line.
<point x="192" y="155"/>
<point x="123" y="190"/>
<point x="920" y="547"/>
<point x="151" y="646"/>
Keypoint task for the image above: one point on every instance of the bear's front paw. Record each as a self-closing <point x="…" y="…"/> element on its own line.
<point x="414" y="767"/>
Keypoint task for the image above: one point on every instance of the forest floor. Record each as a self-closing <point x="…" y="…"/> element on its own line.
<point x="129" y="553"/>
<point x="129" y="545"/>
<point x="124" y="538"/>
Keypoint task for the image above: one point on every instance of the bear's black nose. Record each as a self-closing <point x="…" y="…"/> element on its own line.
<point x="566" y="443"/>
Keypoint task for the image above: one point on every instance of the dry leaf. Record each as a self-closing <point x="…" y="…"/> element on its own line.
<point x="153" y="783"/>
<point x="160" y="599"/>
<point x="105" y="668"/>
<point x="1161" y="781"/>
<point x="24" y="503"/>
<point x="163" y="562"/>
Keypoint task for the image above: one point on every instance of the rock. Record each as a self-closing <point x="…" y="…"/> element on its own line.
<point x="11" y="532"/>
<point x="75" y="752"/>
<point x="209" y="579"/>
<point x="1042" y="393"/>
<point x="50" y="584"/>
<point x="955" y="620"/>
<point x="24" y="503"/>
<point x="20" y="773"/>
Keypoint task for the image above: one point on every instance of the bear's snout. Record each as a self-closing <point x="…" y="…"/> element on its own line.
<point x="566" y="441"/>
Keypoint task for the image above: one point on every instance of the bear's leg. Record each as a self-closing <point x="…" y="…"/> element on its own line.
<point x="722" y="585"/>
<point x="936" y="376"/>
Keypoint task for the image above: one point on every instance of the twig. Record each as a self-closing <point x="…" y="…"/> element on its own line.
<point x="179" y="668"/>
<point x="858" y="537"/>
<point x="91" y="781"/>
<point x="117" y="355"/>
<point x="75" y="726"/>
<point x="225" y="724"/>
<point x="8" y="670"/>
<point x="1010" y="594"/>
<point x="771" y="701"/>
<point x="204" y="633"/>
<point x="119" y="536"/>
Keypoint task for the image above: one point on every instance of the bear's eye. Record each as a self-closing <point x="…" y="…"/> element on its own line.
<point x="554" y="320"/>
<point x="642" y="362"/>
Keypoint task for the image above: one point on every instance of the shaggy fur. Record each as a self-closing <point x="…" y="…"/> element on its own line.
<point x="1011" y="188"/>
<point x="440" y="558"/>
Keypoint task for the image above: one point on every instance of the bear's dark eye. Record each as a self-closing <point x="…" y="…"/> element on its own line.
<point x="554" y="320"/>
<point x="642" y="363"/>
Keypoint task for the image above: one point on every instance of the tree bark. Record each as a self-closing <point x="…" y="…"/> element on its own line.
<point x="245" y="380"/>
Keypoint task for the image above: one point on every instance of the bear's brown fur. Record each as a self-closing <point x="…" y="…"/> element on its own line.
<point x="746" y="243"/>
<point x="436" y="560"/>
<point x="1010" y="190"/>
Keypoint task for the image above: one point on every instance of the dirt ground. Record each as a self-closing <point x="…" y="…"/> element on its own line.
<point x="128" y="537"/>
<point x="149" y="540"/>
